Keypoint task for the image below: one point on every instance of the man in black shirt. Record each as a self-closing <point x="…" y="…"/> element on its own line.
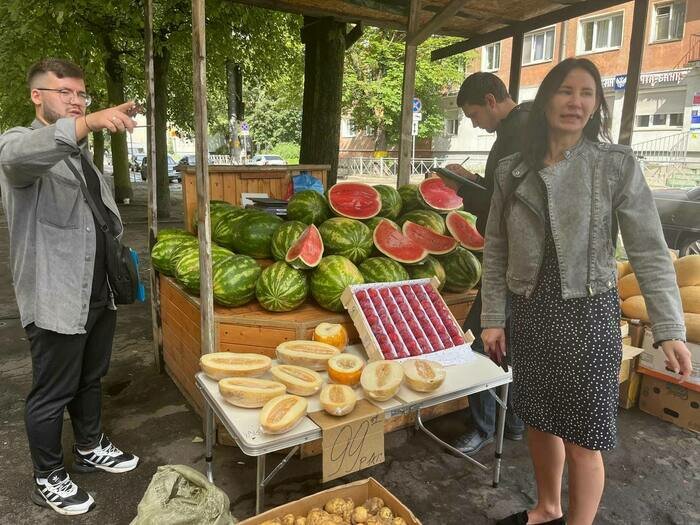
<point x="485" y="101"/>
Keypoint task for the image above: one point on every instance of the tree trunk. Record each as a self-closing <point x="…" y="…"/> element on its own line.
<point x="324" y="57"/>
<point x="234" y="94"/>
<point x="161" y="64"/>
<point x="98" y="154"/>
<point x="114" y="73"/>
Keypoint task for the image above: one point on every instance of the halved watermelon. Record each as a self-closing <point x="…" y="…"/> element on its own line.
<point x="391" y="242"/>
<point x="354" y="200"/>
<point x="307" y="251"/>
<point x="438" y="196"/>
<point x="462" y="226"/>
<point x="430" y="240"/>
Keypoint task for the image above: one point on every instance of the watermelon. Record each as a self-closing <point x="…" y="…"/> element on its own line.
<point x="463" y="270"/>
<point x="374" y="222"/>
<point x="234" y="279"/>
<point x="164" y="255"/>
<point x="354" y="200"/>
<point x="167" y="233"/>
<point x="346" y="237"/>
<point x="433" y="242"/>
<point x="284" y="236"/>
<point x="391" y="242"/>
<point x="214" y="206"/>
<point x="307" y="251"/>
<point x="410" y="198"/>
<point x="251" y="233"/>
<point x="281" y="288"/>
<point x="462" y="226"/>
<point x="187" y="268"/>
<point x="221" y="224"/>
<point x="430" y="268"/>
<point x="330" y="279"/>
<point x="391" y="201"/>
<point x="382" y="270"/>
<point x="309" y="207"/>
<point x="437" y="196"/>
<point x="427" y="218"/>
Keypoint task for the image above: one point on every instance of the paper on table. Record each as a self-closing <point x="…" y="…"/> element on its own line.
<point x="457" y="355"/>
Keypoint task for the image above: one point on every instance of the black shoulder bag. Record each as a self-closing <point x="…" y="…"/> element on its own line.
<point x="122" y="272"/>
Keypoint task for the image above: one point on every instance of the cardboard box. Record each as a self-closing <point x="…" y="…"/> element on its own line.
<point x="628" y="377"/>
<point x="359" y="491"/>
<point x="670" y="402"/>
<point x="652" y="362"/>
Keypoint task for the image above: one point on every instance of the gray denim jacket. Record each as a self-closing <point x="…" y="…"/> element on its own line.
<point x="52" y="233"/>
<point x="594" y="183"/>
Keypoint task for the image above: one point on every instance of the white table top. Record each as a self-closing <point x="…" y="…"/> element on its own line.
<point x="244" y="425"/>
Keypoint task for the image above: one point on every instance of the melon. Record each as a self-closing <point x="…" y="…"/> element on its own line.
<point x="688" y="270"/>
<point x="309" y="207"/>
<point x="306" y="252"/>
<point x="249" y="392"/>
<point x="349" y="238"/>
<point x="330" y="279"/>
<point x="282" y="414"/>
<point x="391" y="201"/>
<point x="410" y="198"/>
<point x="423" y="375"/>
<point x="690" y="297"/>
<point x="462" y="270"/>
<point x="428" y="269"/>
<point x="462" y="226"/>
<point x="635" y="308"/>
<point x="623" y="268"/>
<point x="382" y="270"/>
<point x="428" y="218"/>
<point x="439" y="196"/>
<point x="692" y="327"/>
<point x="381" y="380"/>
<point x="628" y="286"/>
<point x="281" y="288"/>
<point x="219" y="365"/>
<point x="345" y="369"/>
<point x="331" y="334"/>
<point x="432" y="241"/>
<point x="298" y="380"/>
<point x="284" y="237"/>
<point x="354" y="200"/>
<point x="391" y="242"/>
<point x="338" y="400"/>
<point x="310" y="354"/>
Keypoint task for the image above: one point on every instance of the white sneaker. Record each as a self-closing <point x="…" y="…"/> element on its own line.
<point x="105" y="457"/>
<point x="59" y="493"/>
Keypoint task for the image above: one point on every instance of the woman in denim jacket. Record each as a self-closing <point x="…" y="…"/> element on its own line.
<point x="550" y="243"/>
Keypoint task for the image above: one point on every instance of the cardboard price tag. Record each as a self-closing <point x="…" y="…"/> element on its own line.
<point x="353" y="442"/>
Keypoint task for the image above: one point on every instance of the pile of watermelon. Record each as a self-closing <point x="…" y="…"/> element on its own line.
<point x="356" y="233"/>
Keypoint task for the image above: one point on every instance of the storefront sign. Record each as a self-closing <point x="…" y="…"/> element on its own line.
<point x="619" y="82"/>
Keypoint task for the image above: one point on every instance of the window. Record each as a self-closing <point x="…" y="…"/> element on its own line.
<point x="491" y="57"/>
<point x="675" y="119"/>
<point x="538" y="46"/>
<point x="668" y="21"/>
<point x="642" y="121"/>
<point x="660" y="119"/>
<point x="451" y="126"/>
<point x="600" y="34"/>
<point x="348" y="128"/>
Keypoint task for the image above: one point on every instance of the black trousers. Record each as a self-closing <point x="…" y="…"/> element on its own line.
<point x="66" y="373"/>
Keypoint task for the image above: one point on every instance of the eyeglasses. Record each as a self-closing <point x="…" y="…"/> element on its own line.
<point x="68" y="95"/>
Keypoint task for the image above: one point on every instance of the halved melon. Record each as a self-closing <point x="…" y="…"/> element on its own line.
<point x="381" y="380"/>
<point x="438" y="196"/>
<point x="462" y="226"/>
<point x="249" y="392"/>
<point x="282" y="414"/>
<point x="432" y="241"/>
<point x="338" y="400"/>
<point x="331" y="334"/>
<point x="307" y="251"/>
<point x="628" y="286"/>
<point x="391" y="242"/>
<point x="298" y="380"/>
<point x="345" y="369"/>
<point x="310" y="354"/>
<point x="688" y="270"/>
<point x="355" y="200"/>
<point x="219" y="365"/>
<point x="423" y="375"/>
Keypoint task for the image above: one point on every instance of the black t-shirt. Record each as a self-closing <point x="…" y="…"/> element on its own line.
<point x="99" y="293"/>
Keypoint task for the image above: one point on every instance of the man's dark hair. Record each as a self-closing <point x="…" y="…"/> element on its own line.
<point x="60" y="68"/>
<point x="477" y="85"/>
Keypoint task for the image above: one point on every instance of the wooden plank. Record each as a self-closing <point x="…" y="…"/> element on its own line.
<point x="255" y="336"/>
<point x="246" y="348"/>
<point x="258" y="176"/>
<point x="216" y="186"/>
<point x="189" y="201"/>
<point x="435" y="23"/>
<point x="408" y="91"/>
<point x="516" y="59"/>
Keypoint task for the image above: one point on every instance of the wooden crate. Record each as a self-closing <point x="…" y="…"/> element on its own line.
<point x="227" y="183"/>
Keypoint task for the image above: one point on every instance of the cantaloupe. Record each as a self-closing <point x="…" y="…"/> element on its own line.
<point x="332" y="334"/>
<point x="219" y="365"/>
<point x="690" y="297"/>
<point x="249" y="392"/>
<point x="282" y="413"/>
<point x="628" y="286"/>
<point x="298" y="380"/>
<point x="692" y="327"/>
<point x="635" y="308"/>
<point x="423" y="375"/>
<point x="309" y="354"/>
<point x="688" y="270"/>
<point x="623" y="268"/>
<point x="345" y="369"/>
<point x="338" y="400"/>
<point x="381" y="380"/>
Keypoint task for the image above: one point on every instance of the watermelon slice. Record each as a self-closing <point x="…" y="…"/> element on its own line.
<point x="354" y="200"/>
<point x="307" y="251"/>
<point x="430" y="240"/>
<point x="391" y="242"/>
<point x="438" y="196"/>
<point x="462" y="226"/>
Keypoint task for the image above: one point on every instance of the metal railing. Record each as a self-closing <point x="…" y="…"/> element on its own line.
<point x="385" y="167"/>
<point x="662" y="157"/>
<point x="693" y="54"/>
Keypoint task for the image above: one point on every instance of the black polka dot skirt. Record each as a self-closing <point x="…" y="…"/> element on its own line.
<point x="566" y="357"/>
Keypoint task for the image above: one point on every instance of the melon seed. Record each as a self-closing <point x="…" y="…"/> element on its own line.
<point x="425" y="370"/>
<point x="299" y="374"/>
<point x="235" y="361"/>
<point x="382" y="374"/>
<point x="336" y="394"/>
<point x="281" y="409"/>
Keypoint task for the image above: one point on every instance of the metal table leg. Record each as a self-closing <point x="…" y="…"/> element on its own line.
<point x="260" y="485"/>
<point x="209" y="439"/>
<point x="500" y="428"/>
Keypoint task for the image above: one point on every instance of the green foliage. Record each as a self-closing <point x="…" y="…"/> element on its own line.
<point x="289" y="151"/>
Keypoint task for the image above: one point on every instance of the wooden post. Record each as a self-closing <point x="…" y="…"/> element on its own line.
<point x="516" y="59"/>
<point x="199" y="69"/>
<point x="156" y="323"/>
<point x="409" y="84"/>
<point x="634" y="67"/>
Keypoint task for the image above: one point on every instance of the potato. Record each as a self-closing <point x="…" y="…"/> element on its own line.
<point x="316" y="517"/>
<point x="374" y="520"/>
<point x="300" y="520"/>
<point x="385" y="513"/>
<point x="360" y="515"/>
<point x="398" y="521"/>
<point x="335" y="506"/>
<point x="373" y="505"/>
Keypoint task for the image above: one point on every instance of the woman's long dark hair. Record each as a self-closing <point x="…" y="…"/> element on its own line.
<point x="535" y="142"/>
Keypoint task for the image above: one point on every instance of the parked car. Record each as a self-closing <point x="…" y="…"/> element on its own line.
<point x="173" y="174"/>
<point x="268" y="160"/>
<point x="187" y="160"/>
<point x="136" y="161"/>
<point x="679" y="210"/>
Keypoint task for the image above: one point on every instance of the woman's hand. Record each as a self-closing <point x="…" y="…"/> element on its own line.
<point x="494" y="343"/>
<point x="677" y="357"/>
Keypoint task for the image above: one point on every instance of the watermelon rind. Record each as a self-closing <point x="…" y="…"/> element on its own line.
<point x="429" y="268"/>
<point x="391" y="242"/>
<point x="428" y="218"/>
<point x="284" y="236"/>
<point x="215" y="206"/>
<point x="382" y="270"/>
<point x="354" y="200"/>
<point x="432" y="241"/>
<point x="309" y="207"/>
<point x="429" y="191"/>
<point x="165" y="252"/>
<point x="347" y="237"/>
<point x="410" y="198"/>
<point x="281" y="288"/>
<point x="374" y="222"/>
<point x="462" y="268"/>
<point x="391" y="201"/>
<point x="306" y="252"/>
<point x="168" y="233"/>
<point x="251" y="233"/>
<point x="330" y="279"/>
<point x="234" y="280"/>
<point x="457" y="220"/>
<point x="187" y="268"/>
<point x="222" y="222"/>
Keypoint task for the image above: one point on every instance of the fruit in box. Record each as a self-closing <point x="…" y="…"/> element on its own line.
<point x="345" y="369"/>
<point x="284" y="236"/>
<point x="347" y="237"/>
<point x="282" y="413"/>
<point x="281" y="288"/>
<point x="234" y="280"/>
<point x="309" y="354"/>
<point x="219" y="365"/>
<point x="309" y="207"/>
<point x="423" y="375"/>
<point x="432" y="241"/>
<point x="462" y="226"/>
<point x="306" y="252"/>
<point x="332" y="334"/>
<point x="381" y="380"/>
<point x="298" y="380"/>
<point x="462" y="268"/>
<point x="438" y="196"/>
<point x="391" y="242"/>
<point x="248" y="392"/>
<point x="427" y="218"/>
<point x="391" y="201"/>
<point x="330" y="279"/>
<point x="338" y="400"/>
<point x="354" y="200"/>
<point x="382" y="270"/>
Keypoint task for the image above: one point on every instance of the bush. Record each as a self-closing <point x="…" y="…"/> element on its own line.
<point x="289" y="151"/>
